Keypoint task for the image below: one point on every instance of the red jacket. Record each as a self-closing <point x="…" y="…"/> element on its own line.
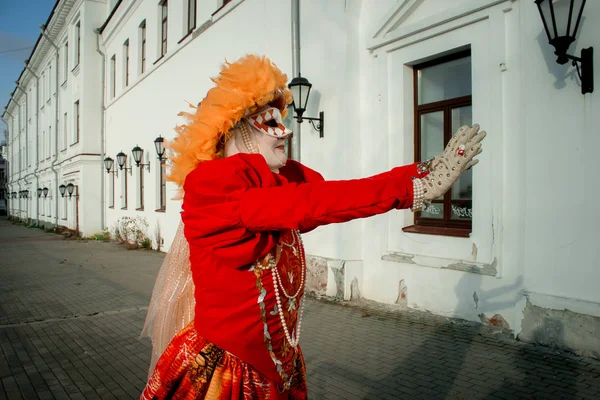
<point x="234" y="211"/>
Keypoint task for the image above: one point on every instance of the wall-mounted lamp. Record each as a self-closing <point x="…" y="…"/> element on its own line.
<point x="62" y="189"/>
<point x="39" y="192"/>
<point x="25" y="194"/>
<point x="108" y="164"/>
<point x="138" y="153"/>
<point x="45" y="191"/>
<point x="159" y="145"/>
<point x="560" y="35"/>
<point x="14" y="195"/>
<point x="71" y="189"/>
<point x="121" y="161"/>
<point x="300" y="88"/>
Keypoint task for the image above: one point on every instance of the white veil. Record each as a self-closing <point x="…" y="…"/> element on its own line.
<point x="172" y="305"/>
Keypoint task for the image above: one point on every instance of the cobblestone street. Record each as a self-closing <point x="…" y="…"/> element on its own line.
<point x="71" y="313"/>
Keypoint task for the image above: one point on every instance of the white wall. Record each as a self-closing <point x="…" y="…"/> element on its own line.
<point x="149" y="106"/>
<point x="535" y="221"/>
<point x="559" y="129"/>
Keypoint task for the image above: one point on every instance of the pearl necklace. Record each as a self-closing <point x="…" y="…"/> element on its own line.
<point x="277" y="284"/>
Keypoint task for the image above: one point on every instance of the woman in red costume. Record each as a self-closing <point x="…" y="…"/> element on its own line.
<point x="231" y="329"/>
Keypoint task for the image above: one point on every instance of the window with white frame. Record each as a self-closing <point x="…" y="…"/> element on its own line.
<point x="124" y="188"/>
<point x="49" y="201"/>
<point x="164" y="26"/>
<point x="191" y="15"/>
<point x="41" y="141"/>
<point x="77" y="43"/>
<point x="142" y="47"/>
<point x="42" y="94"/>
<point x="65" y="131"/>
<point x="162" y="186"/>
<point x="140" y="189"/>
<point x="64" y="207"/>
<point x="111" y="190"/>
<point x="113" y="75"/>
<point x="49" y="143"/>
<point x="76" y="131"/>
<point x="442" y="105"/>
<point x="126" y="63"/>
<point x="66" y="62"/>
<point x="49" y="83"/>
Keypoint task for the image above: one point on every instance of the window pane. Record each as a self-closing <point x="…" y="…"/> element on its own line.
<point x="432" y="134"/>
<point x="462" y="212"/>
<point x="463" y="188"/>
<point x="445" y="81"/>
<point x="435" y="211"/>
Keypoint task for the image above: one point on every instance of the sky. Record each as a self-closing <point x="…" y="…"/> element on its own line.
<point x="19" y="30"/>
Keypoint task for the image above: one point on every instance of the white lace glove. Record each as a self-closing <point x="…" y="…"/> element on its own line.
<point x="446" y="168"/>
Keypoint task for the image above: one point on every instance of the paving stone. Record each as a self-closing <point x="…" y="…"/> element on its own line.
<point x="71" y="330"/>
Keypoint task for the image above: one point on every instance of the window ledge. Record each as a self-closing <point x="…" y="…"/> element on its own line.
<point x="113" y="207"/>
<point x="64" y="84"/>
<point x="161" y="210"/>
<point x="438" y="230"/>
<point x="158" y="60"/>
<point x="75" y="69"/>
<point x="187" y="35"/>
<point x="139" y="209"/>
<point x="123" y="208"/>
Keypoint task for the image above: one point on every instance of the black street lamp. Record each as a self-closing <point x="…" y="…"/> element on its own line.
<point x="71" y="189"/>
<point x="300" y="88"/>
<point x="45" y="190"/>
<point x="138" y="153"/>
<point x="558" y="22"/>
<point x="122" y="161"/>
<point x="108" y="164"/>
<point x="39" y="192"/>
<point x="62" y="188"/>
<point x="159" y="145"/>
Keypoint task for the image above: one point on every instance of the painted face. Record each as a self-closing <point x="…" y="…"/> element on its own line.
<point x="269" y="122"/>
<point x="262" y="133"/>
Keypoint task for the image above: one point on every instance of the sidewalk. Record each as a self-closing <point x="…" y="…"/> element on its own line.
<point x="71" y="313"/>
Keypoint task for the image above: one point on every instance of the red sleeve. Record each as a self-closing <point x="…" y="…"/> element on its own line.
<point x="241" y="193"/>
<point x="305" y="206"/>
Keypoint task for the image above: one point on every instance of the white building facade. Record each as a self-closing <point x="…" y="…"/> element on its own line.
<point x="513" y="244"/>
<point x="54" y="123"/>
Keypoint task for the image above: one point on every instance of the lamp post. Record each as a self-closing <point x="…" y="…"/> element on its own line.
<point x="122" y="161"/>
<point x="159" y="145"/>
<point x="558" y="21"/>
<point x="138" y="153"/>
<point x="108" y="164"/>
<point x="300" y="88"/>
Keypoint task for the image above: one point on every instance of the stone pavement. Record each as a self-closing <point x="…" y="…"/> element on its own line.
<point x="71" y="313"/>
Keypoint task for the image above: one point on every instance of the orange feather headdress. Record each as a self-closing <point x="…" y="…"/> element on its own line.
<point x="240" y="89"/>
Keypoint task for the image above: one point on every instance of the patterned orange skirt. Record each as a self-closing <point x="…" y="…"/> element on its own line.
<point x="192" y="368"/>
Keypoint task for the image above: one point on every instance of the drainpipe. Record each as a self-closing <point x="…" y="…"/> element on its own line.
<point x="37" y="145"/>
<point x="53" y="165"/>
<point x="102" y="133"/>
<point x="296" y="142"/>
<point x="18" y="86"/>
